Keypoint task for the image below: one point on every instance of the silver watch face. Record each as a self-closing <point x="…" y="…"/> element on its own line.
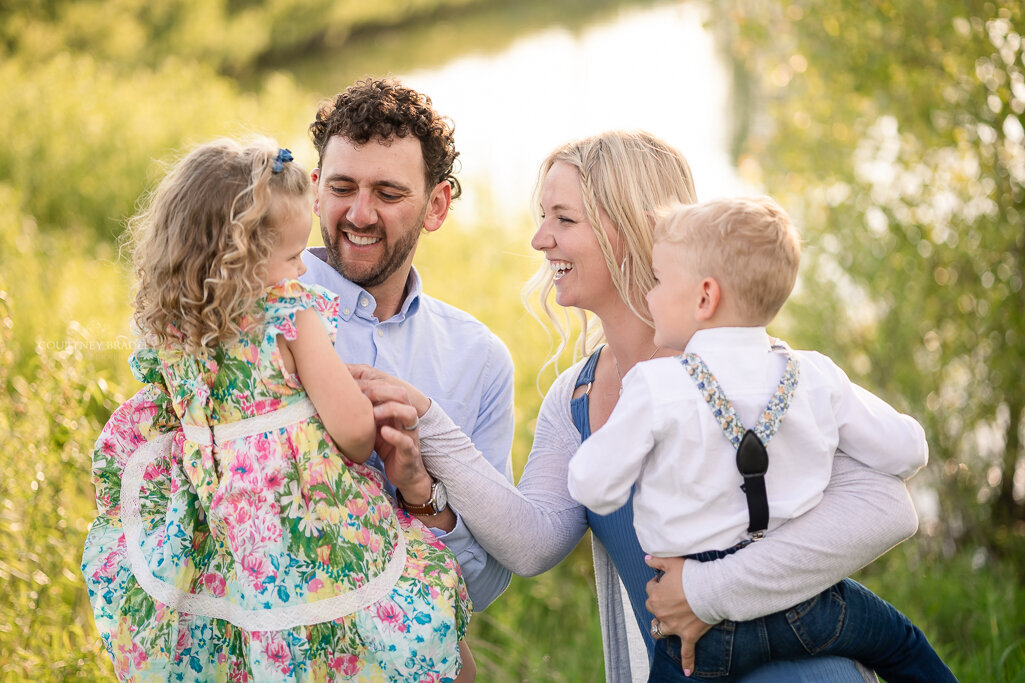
<point x="440" y="497"/>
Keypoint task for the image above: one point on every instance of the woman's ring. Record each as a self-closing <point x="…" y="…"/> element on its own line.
<point x="656" y="629"/>
<point x="412" y="428"/>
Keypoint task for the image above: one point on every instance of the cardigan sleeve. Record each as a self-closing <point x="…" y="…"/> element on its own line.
<point x="862" y="514"/>
<point x="529" y="528"/>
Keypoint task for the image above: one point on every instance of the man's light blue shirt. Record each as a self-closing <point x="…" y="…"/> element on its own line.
<point x="455" y="360"/>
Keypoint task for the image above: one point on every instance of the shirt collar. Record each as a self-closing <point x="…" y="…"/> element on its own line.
<point x="718" y="339"/>
<point x="414" y="288"/>
<point x="351" y="295"/>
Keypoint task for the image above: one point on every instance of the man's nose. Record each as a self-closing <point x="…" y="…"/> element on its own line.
<point x="361" y="212"/>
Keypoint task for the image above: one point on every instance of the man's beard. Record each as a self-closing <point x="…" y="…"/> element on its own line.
<point x="372" y="275"/>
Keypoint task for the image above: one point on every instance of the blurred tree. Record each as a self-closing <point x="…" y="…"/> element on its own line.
<point x="232" y="36"/>
<point x="894" y="132"/>
<point x="81" y="135"/>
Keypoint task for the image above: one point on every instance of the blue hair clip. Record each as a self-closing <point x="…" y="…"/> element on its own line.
<point x="279" y="161"/>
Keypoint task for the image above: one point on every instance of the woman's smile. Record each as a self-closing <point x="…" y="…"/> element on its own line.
<point x="560" y="268"/>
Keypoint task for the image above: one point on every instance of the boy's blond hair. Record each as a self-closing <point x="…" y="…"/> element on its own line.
<point x="748" y="244"/>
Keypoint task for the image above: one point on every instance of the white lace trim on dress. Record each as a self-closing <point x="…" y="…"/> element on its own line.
<point x="269" y="619"/>
<point x="282" y="417"/>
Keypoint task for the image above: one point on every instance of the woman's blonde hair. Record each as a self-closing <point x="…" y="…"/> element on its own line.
<point x="202" y="241"/>
<point x="630" y="175"/>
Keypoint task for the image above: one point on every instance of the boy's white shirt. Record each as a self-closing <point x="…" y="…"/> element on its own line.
<point x="800" y="560"/>
<point x="663" y="435"/>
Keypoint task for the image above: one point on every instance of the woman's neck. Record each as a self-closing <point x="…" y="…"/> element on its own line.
<point x="630" y="340"/>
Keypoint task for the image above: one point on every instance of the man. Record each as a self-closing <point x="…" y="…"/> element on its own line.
<point x="384" y="177"/>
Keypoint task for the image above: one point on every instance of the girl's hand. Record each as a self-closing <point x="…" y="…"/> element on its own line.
<point x="379" y="387"/>
<point x="398" y="406"/>
<point x="667" y="601"/>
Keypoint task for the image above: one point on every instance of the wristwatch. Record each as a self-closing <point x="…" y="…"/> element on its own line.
<point x="437" y="503"/>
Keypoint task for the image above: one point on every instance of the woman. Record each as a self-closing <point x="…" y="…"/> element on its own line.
<point x="597" y="199"/>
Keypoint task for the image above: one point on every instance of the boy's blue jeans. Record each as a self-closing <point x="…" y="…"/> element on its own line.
<point x="846" y="620"/>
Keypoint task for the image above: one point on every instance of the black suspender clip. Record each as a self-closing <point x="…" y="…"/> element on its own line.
<point x="753" y="463"/>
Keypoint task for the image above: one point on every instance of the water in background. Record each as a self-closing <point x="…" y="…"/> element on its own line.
<point x="517" y="95"/>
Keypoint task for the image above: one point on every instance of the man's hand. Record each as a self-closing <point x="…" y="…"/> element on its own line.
<point x="399" y="450"/>
<point x="398" y="439"/>
<point x="398" y="442"/>
<point x="667" y="601"/>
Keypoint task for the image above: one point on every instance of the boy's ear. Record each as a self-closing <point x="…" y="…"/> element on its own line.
<point x="710" y="297"/>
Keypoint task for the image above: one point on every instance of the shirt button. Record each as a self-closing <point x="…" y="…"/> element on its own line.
<point x="346" y="311"/>
<point x="380" y="332"/>
<point x="364" y="302"/>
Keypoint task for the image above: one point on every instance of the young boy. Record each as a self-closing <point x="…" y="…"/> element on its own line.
<point x="736" y="436"/>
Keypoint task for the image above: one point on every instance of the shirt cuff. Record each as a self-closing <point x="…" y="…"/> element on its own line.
<point x="467" y="551"/>
<point x="433" y="421"/>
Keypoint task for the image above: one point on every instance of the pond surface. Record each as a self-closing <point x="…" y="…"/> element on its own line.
<point x="517" y="86"/>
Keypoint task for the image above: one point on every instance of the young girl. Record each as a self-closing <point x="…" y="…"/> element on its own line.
<point x="254" y="544"/>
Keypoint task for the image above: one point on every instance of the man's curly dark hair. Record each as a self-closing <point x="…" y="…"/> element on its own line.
<point x="379" y="108"/>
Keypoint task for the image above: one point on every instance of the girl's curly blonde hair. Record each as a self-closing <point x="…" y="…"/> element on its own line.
<point x="201" y="243"/>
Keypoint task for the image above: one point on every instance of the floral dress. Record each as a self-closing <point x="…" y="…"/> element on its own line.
<point x="244" y="546"/>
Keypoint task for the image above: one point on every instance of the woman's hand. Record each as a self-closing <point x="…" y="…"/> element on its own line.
<point x="379" y="386"/>
<point x="667" y="601"/>
<point x="398" y="439"/>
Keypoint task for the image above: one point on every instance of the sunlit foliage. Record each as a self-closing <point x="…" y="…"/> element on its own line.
<point x="891" y="129"/>
<point x="81" y="135"/>
<point x="231" y="36"/>
<point x="59" y="375"/>
<point x="894" y="130"/>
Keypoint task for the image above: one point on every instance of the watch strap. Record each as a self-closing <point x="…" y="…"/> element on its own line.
<point x="428" y="508"/>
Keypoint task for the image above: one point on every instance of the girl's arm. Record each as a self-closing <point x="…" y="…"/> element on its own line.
<point x="346" y="413"/>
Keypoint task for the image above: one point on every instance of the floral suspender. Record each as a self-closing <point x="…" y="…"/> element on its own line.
<point x="752" y="458"/>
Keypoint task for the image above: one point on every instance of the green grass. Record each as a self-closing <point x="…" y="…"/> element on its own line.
<point x="63" y="374"/>
<point x="970" y="605"/>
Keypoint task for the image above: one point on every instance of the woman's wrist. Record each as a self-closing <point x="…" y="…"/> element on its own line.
<point x="421" y="403"/>
<point x="692" y="580"/>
